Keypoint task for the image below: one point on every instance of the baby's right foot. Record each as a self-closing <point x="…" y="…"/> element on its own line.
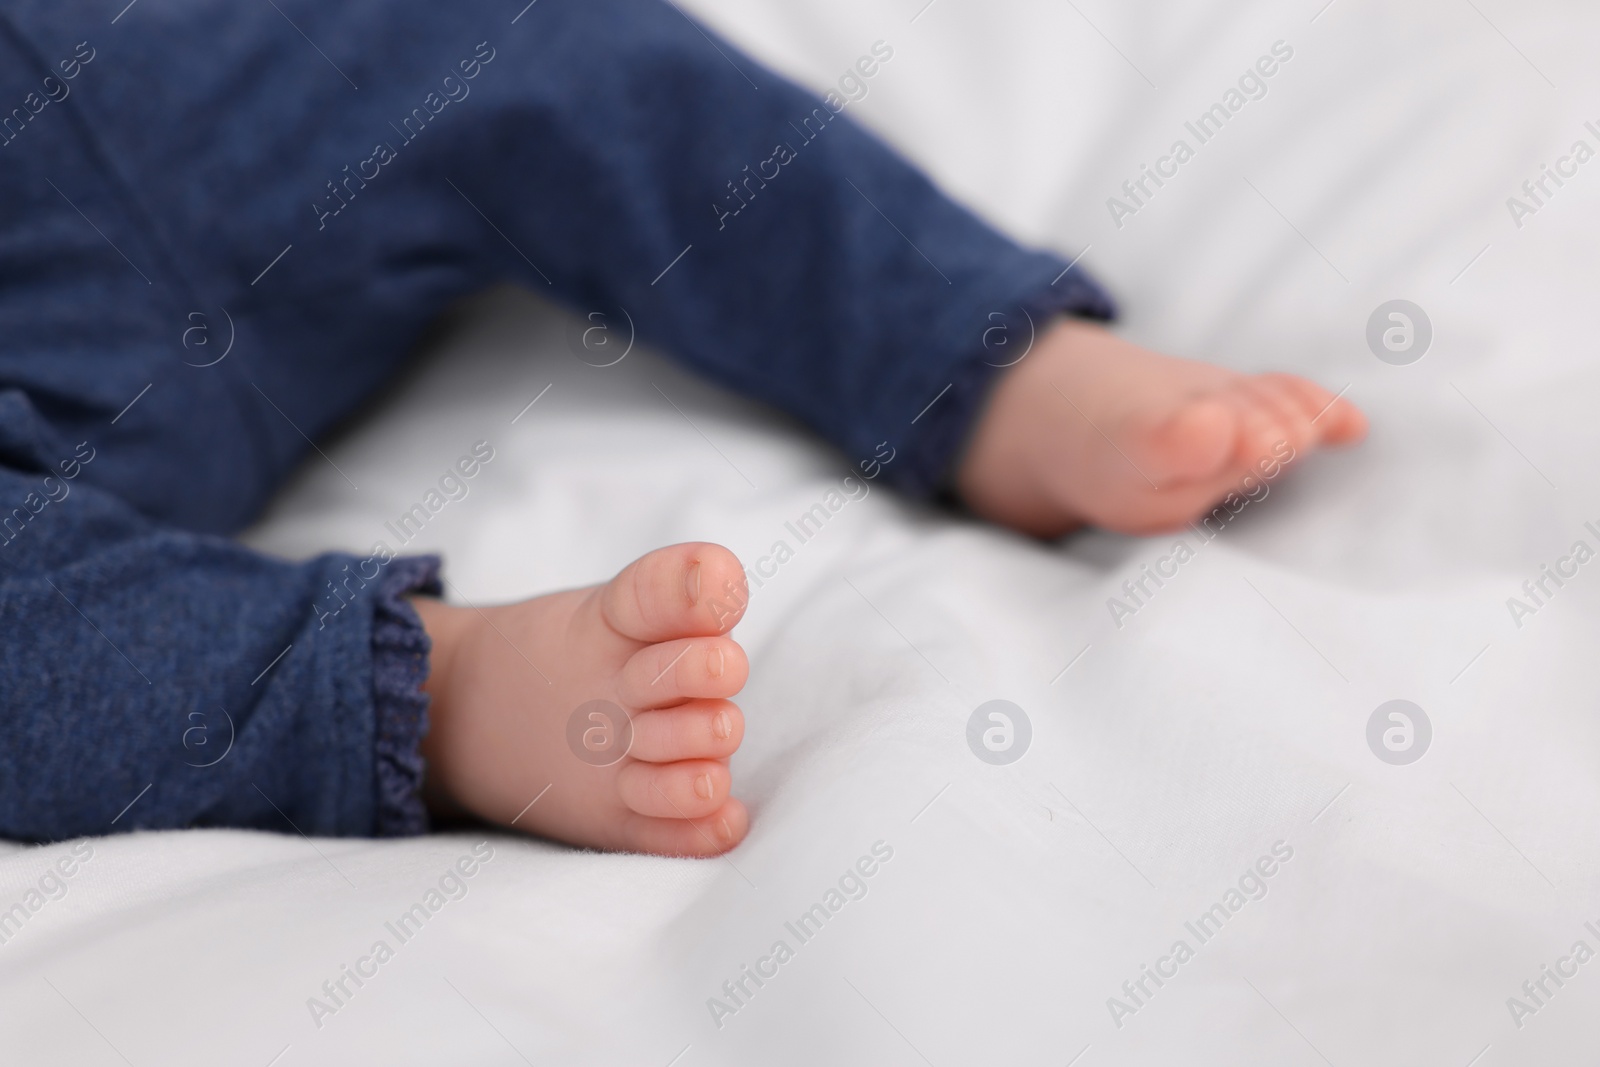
<point x="506" y="681"/>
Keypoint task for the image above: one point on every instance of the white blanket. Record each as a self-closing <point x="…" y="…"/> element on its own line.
<point x="1199" y="769"/>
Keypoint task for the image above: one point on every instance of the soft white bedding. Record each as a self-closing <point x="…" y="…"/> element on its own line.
<point x="1225" y="718"/>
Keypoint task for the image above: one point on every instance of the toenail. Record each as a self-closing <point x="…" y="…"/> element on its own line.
<point x="722" y="726"/>
<point x="691" y="582"/>
<point x="702" y="787"/>
<point x="715" y="662"/>
<point x="724" y="830"/>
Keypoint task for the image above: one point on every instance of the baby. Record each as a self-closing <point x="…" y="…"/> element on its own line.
<point x="308" y="186"/>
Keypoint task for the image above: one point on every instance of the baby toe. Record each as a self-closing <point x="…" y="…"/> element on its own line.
<point x="1336" y="420"/>
<point x="709" y="835"/>
<point x="687" y="590"/>
<point x="672" y="671"/>
<point x="1282" y="407"/>
<point x="687" y="789"/>
<point x="1261" y="432"/>
<point x="700" y="729"/>
<point x="1191" y="443"/>
<point x="1346" y="424"/>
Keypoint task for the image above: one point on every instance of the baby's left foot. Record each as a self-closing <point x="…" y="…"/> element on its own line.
<point x="1089" y="428"/>
<point x="600" y="716"/>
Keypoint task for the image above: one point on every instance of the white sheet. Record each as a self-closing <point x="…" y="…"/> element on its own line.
<point x="1227" y="715"/>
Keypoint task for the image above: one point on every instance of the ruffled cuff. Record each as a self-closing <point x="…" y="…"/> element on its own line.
<point x="400" y="648"/>
<point x="942" y="432"/>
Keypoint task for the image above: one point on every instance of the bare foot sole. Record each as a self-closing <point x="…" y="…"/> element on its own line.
<point x="506" y="683"/>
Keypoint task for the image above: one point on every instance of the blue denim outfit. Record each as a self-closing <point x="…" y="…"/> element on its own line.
<point x="305" y="186"/>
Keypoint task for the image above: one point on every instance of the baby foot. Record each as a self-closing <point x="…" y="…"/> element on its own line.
<point x="506" y="680"/>
<point x="1091" y="429"/>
